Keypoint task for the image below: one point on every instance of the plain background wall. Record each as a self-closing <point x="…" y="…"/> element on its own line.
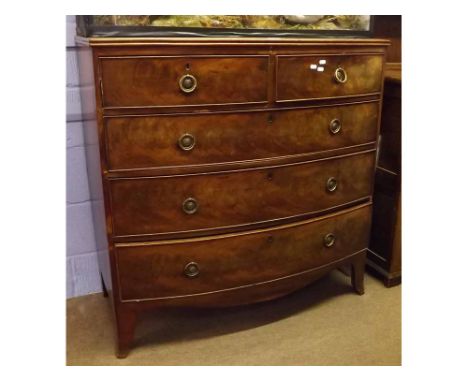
<point x="82" y="266"/>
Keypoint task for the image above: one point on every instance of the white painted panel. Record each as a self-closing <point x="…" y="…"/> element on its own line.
<point x="88" y="107"/>
<point x="74" y="104"/>
<point x="95" y="183"/>
<point x="82" y="265"/>
<point x="84" y="273"/>
<point x="75" y="136"/>
<point x="70" y="279"/>
<point x="80" y="229"/>
<point x="73" y="78"/>
<point x="77" y="176"/>
<point x="71" y="31"/>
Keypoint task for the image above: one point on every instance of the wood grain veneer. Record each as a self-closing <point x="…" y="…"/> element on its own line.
<point x="266" y="222"/>
<point x="152" y="141"/>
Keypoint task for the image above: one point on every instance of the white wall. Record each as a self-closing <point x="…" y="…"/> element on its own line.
<point x="82" y="266"/>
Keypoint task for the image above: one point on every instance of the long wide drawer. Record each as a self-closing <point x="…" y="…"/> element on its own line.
<point x="181" y="140"/>
<point x="197" y="202"/>
<point x="155" y="81"/>
<point x="327" y="76"/>
<point x="188" y="267"/>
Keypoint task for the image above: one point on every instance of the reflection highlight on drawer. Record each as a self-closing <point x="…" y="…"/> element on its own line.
<point x="341" y="76"/>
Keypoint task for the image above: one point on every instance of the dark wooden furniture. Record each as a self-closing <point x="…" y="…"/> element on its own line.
<point x="384" y="253"/>
<point x="228" y="171"/>
<point x="389" y="28"/>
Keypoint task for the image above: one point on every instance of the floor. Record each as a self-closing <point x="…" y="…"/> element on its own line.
<point x="323" y="324"/>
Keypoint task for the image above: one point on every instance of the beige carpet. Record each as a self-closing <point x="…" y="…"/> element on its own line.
<point x="324" y="324"/>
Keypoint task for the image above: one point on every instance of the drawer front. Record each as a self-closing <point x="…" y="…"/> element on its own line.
<point x="178" y="140"/>
<point x="298" y="79"/>
<point x="162" y="81"/>
<point x="143" y="206"/>
<point x="188" y="267"/>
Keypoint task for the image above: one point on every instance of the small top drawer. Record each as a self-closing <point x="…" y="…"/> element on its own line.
<point x="327" y="76"/>
<point x="162" y="81"/>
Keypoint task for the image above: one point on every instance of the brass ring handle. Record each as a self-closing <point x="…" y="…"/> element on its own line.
<point x="187" y="83"/>
<point x="190" y="206"/>
<point x="191" y="270"/>
<point x="332" y="184"/>
<point x="335" y="126"/>
<point x="187" y="142"/>
<point x="340" y="75"/>
<point x="329" y="240"/>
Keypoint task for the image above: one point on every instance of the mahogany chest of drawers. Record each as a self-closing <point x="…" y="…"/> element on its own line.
<point x="228" y="171"/>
